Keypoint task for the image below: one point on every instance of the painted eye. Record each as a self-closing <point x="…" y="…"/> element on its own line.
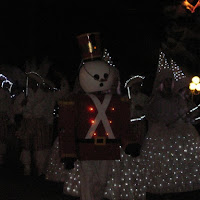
<point x="96" y="77"/>
<point x="106" y="76"/>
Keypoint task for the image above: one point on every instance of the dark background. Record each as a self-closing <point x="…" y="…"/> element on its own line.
<point x="132" y="33"/>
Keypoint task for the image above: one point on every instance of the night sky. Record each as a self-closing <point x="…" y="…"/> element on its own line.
<point x="132" y="33"/>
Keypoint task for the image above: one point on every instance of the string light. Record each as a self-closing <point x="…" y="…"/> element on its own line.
<point x="5" y="80"/>
<point x="177" y="72"/>
<point x="138" y="119"/>
<point x="107" y="58"/>
<point x="128" y="81"/>
<point x="42" y="80"/>
<point x="162" y="62"/>
<point x="195" y="108"/>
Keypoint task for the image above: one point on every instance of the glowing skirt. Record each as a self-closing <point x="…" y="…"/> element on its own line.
<point x="56" y="172"/>
<point x="169" y="162"/>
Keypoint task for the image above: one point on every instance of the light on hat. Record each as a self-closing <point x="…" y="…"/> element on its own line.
<point x="90" y="46"/>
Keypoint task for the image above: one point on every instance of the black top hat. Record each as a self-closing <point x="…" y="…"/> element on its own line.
<point x="90" y="46"/>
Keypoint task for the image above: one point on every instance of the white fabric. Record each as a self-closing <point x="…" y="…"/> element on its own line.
<point x="93" y="177"/>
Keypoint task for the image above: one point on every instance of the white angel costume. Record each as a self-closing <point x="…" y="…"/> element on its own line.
<point x="170" y="157"/>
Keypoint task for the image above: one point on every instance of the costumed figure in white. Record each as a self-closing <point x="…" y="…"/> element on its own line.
<point x="182" y="88"/>
<point x="172" y="146"/>
<point x="37" y="107"/>
<point x="138" y="102"/>
<point x="6" y="115"/>
<point x="93" y="125"/>
<point x="170" y="154"/>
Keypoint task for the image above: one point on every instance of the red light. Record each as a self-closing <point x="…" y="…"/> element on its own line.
<point x="92" y="121"/>
<point x="95" y="134"/>
<point x="112" y="108"/>
<point x="110" y="122"/>
<point x="91" y="109"/>
<point x="107" y="134"/>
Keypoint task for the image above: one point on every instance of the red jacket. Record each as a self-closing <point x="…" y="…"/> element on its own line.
<point x="79" y="113"/>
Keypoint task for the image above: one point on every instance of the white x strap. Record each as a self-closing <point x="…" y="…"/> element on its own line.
<point x="101" y="116"/>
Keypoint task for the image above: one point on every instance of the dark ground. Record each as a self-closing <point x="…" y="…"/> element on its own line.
<point x="15" y="186"/>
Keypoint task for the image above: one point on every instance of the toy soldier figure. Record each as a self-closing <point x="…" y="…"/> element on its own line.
<point x="94" y="124"/>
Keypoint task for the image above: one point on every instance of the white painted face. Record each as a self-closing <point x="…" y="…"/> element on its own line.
<point x="96" y="76"/>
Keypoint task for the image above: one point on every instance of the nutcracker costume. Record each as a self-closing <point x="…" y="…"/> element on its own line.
<point x="93" y="127"/>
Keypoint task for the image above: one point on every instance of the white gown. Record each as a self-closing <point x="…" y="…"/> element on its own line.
<point x="169" y="160"/>
<point x="56" y="172"/>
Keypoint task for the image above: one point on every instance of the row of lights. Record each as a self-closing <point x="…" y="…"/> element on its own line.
<point x="92" y="121"/>
<point x="92" y="109"/>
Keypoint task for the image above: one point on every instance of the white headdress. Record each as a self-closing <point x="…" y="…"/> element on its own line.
<point x="164" y="71"/>
<point x="181" y="80"/>
<point x="106" y="57"/>
<point x="11" y="74"/>
<point x="37" y="72"/>
<point x="5" y="80"/>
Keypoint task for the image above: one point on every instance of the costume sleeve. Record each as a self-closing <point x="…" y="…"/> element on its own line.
<point x="66" y="129"/>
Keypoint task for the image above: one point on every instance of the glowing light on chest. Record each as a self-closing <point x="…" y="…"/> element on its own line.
<point x="100" y="117"/>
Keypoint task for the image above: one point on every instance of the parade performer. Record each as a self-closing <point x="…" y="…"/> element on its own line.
<point x="138" y="102"/>
<point x="6" y="117"/>
<point x="93" y="125"/>
<point x="169" y="158"/>
<point x="37" y="107"/>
